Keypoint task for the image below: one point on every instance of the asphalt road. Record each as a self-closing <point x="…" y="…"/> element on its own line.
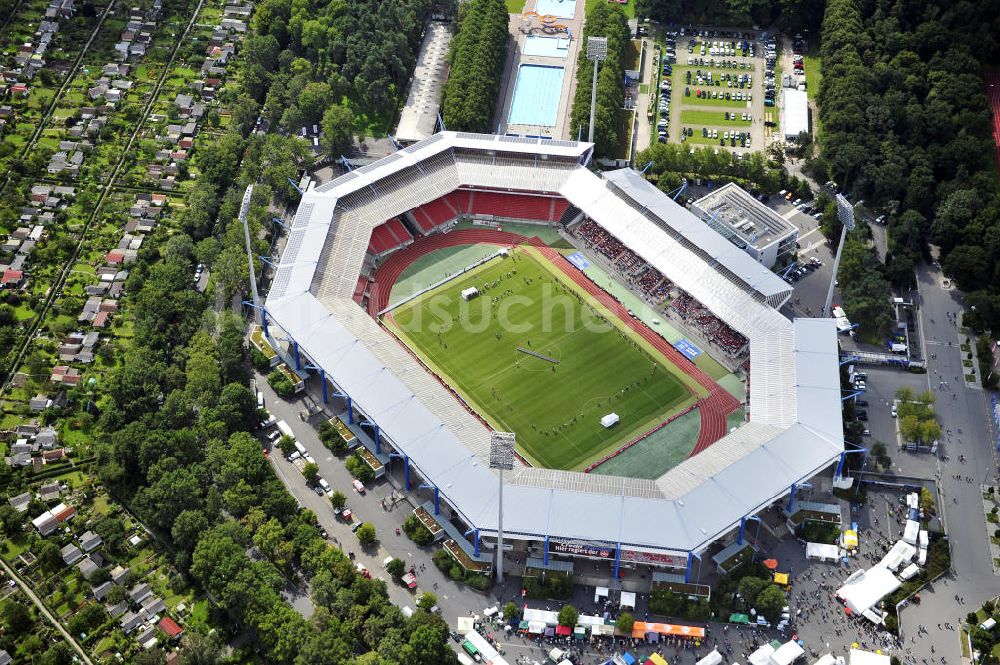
<point x="453" y="599"/>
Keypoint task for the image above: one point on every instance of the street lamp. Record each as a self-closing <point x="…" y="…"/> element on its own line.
<point x="501" y="458"/>
<point x="244" y="213"/>
<point x="597" y="50"/>
<point x="845" y="213"/>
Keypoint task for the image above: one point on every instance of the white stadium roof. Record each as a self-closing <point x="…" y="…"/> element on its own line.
<point x="795" y="423"/>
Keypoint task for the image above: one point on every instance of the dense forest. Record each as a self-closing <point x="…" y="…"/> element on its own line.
<point x="478" y="56"/>
<point x="781" y="14"/>
<point x="603" y="20"/>
<point x="906" y="126"/>
<point x="306" y="56"/>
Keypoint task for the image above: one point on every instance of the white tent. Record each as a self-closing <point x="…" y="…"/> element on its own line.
<point x="470" y="293"/>
<point x="464" y="625"/>
<point x="610" y="419"/>
<point x="794" y="113"/>
<point x="859" y="657"/>
<point x="909" y="571"/>
<point x="787" y="653"/>
<point x="899" y="554"/>
<point x="761" y="656"/>
<point x="600" y="592"/>
<point x="628" y="600"/>
<point x="822" y="552"/>
<point x="714" y="658"/>
<point x="826" y="659"/>
<point x="865" y="588"/>
<point x="911" y="532"/>
<point x="542" y="616"/>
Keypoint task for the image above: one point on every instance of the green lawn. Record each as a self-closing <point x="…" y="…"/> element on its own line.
<point x="814" y="75"/>
<point x="515" y="6"/>
<point x="712" y="118"/>
<point x="629" y="6"/>
<point x="554" y="408"/>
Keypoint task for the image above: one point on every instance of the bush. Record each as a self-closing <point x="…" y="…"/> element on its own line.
<point x="338" y="500"/>
<point x="367" y="534"/>
<point x="396" y="568"/>
<point x="416" y="531"/>
<point x="359" y="469"/>
<point x="259" y="360"/>
<point x="331" y="438"/>
<point x="281" y="384"/>
<point x="972" y="619"/>
<point x="568" y="616"/>
<point x="511" y="612"/>
<point x="553" y="585"/>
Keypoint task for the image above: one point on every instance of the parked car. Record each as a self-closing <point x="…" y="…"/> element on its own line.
<point x="359" y="486"/>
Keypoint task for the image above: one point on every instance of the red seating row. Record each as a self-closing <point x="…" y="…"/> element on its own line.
<point x="518" y="206"/>
<point x="388" y="236"/>
<point x="431" y="215"/>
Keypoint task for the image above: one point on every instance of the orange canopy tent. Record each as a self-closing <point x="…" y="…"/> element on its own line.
<point x="771" y="564"/>
<point x="640" y="628"/>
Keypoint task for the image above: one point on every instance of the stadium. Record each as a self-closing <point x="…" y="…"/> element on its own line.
<point x="427" y="397"/>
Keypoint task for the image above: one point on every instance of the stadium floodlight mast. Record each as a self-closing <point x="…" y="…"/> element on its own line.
<point x="845" y="213"/>
<point x="597" y="50"/>
<point x="244" y="213"/>
<point x="502" y="459"/>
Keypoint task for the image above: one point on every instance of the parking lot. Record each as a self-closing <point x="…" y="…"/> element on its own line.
<point x="712" y="89"/>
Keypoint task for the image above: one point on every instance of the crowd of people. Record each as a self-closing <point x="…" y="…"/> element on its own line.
<point x="711" y="327"/>
<point x="651" y="283"/>
<point x="646" y="279"/>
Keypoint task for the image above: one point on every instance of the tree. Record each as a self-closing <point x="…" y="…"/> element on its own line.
<point x="511" y="612"/>
<point x="878" y="450"/>
<point x="750" y="587"/>
<point x="367" y="534"/>
<point x="338" y="500"/>
<point x="59" y="653"/>
<point x="770" y="602"/>
<point x="286" y="444"/>
<point x="568" y="616"/>
<point x="16" y="617"/>
<point x="237" y="408"/>
<point x="396" y="568"/>
<point x="11" y="521"/>
<point x="310" y="472"/>
<point x="624" y="623"/>
<point x="427" y="601"/>
<point x="188" y="528"/>
<point x="49" y="556"/>
<point x="337" y="124"/>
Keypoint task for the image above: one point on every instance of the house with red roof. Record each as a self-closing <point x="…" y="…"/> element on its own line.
<point x="170" y="628"/>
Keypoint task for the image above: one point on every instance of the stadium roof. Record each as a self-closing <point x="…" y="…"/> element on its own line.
<point x="795" y="426"/>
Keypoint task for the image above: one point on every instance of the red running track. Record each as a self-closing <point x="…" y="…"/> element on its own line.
<point x="713" y="408"/>
<point x="992" y="84"/>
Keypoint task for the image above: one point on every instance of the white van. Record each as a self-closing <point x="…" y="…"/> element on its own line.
<point x="407" y="611"/>
<point x="302" y="449"/>
<point x="260" y="400"/>
<point x="325" y="486"/>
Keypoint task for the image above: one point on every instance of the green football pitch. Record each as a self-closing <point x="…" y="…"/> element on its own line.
<point x="536" y="357"/>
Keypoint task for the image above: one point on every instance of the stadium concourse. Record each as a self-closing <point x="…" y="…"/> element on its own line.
<point x="338" y="256"/>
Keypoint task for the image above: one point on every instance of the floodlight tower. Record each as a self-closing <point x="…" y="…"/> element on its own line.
<point x="244" y="213"/>
<point x="502" y="459"/>
<point x="597" y="50"/>
<point x="845" y="213"/>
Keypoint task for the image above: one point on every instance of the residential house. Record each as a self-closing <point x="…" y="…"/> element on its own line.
<point x="152" y="606"/>
<point x="20" y="502"/>
<point x="50" y="491"/>
<point x="47" y="438"/>
<point x="140" y="592"/>
<point x="90" y="541"/>
<point x="118" y="609"/>
<point x="71" y="554"/>
<point x="101" y="590"/>
<point x="45" y="523"/>
<point x="88" y="567"/>
<point x="5" y="658"/>
<point x="39" y="402"/>
<point x="65" y="375"/>
<point x="170" y="628"/>
<point x="120" y="575"/>
<point x="147" y="638"/>
<point x="130" y="621"/>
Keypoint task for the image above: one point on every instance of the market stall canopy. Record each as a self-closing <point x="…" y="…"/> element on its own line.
<point x="640" y="628"/>
<point x="628" y="599"/>
<point x="781" y="578"/>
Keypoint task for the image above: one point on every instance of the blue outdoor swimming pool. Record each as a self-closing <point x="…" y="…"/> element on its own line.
<point x="560" y="8"/>
<point x="550" y="47"/>
<point x="536" y="96"/>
